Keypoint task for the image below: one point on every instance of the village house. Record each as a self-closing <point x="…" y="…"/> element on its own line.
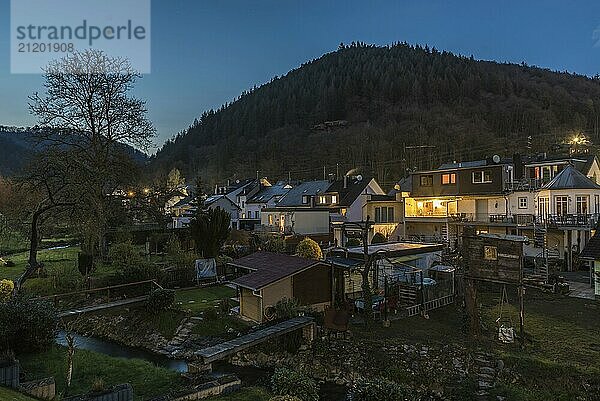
<point x="268" y="278"/>
<point x="267" y="196"/>
<point x="552" y="200"/>
<point x="297" y="212"/>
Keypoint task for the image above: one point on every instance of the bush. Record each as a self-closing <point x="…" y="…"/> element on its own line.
<point x="378" y="238"/>
<point x="27" y="324"/>
<point x="378" y="390"/>
<point x="284" y="398"/>
<point x="6" y="289"/>
<point x="288" y="382"/>
<point x="130" y="264"/>
<point x="160" y="300"/>
<point x="287" y="308"/>
<point x="267" y="243"/>
<point x="307" y="248"/>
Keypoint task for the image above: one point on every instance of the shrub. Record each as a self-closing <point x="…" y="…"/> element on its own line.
<point x="98" y="385"/>
<point x="284" y="398"/>
<point x="287" y="308"/>
<point x="9" y="263"/>
<point x="27" y="324"/>
<point x="379" y="389"/>
<point x="130" y="264"/>
<point x="160" y="299"/>
<point x="6" y="289"/>
<point x="307" y="248"/>
<point x="210" y="314"/>
<point x="287" y="382"/>
<point x="267" y="243"/>
<point x="378" y="238"/>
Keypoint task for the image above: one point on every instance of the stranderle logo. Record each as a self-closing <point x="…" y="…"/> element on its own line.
<point x="42" y="31"/>
<point x="89" y="33"/>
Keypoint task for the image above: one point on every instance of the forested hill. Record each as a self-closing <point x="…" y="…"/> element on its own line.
<point x="16" y="147"/>
<point x="386" y="110"/>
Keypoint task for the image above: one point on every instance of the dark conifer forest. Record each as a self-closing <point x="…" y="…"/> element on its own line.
<point x="385" y="110"/>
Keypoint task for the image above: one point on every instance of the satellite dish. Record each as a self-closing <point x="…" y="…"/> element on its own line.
<point x="496" y="159"/>
<point x="397" y="187"/>
<point x="359" y="177"/>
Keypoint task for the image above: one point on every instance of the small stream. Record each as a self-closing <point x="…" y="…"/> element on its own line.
<point x="249" y="375"/>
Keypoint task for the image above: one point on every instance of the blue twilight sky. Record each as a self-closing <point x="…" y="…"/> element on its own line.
<point x="205" y="52"/>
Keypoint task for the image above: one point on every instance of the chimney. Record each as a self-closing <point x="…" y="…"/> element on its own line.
<point x="345" y="181"/>
<point x="518" y="163"/>
<point x="312" y="201"/>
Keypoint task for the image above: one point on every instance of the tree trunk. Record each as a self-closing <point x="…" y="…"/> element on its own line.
<point x="32" y="263"/>
<point x="471" y="307"/>
<point x="70" y="352"/>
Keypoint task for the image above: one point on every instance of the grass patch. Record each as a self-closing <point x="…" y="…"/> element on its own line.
<point x="245" y="394"/>
<point x="10" y="395"/>
<point x="53" y="259"/>
<point x="147" y="379"/>
<point x="198" y="300"/>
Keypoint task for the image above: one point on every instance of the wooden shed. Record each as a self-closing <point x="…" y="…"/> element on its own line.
<point x="271" y="277"/>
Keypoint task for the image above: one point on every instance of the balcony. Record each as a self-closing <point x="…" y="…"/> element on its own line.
<point x="525" y="220"/>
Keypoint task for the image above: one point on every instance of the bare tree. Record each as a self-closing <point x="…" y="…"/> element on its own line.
<point x="88" y="110"/>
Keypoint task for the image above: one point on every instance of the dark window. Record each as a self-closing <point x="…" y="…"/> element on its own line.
<point x="426" y="180"/>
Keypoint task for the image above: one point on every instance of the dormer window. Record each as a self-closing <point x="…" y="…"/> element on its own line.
<point x="482" y="177"/>
<point x="449" y="178"/>
<point x="426" y="180"/>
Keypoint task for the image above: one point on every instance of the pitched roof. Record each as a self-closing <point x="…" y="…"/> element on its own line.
<point x="268" y="267"/>
<point x="592" y="249"/>
<point x="294" y="195"/>
<point x="354" y="187"/>
<point x="266" y="193"/>
<point x="570" y="178"/>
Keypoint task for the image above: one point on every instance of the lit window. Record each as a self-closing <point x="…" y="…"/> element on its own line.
<point x="334" y="199"/>
<point x="449" y="178"/>
<point x="322" y="199"/>
<point x="523" y="203"/>
<point x="270" y="219"/>
<point x="305" y="199"/>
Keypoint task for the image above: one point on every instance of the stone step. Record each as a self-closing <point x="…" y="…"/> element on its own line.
<point x="487" y="370"/>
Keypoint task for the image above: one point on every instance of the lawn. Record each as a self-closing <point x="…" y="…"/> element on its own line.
<point x="147" y="380"/>
<point x="10" y="395"/>
<point x="53" y="259"/>
<point x="200" y="299"/>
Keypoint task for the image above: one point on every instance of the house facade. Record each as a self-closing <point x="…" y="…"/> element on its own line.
<point x="555" y="201"/>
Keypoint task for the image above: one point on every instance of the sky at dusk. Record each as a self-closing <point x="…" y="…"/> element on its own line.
<point x="205" y="52"/>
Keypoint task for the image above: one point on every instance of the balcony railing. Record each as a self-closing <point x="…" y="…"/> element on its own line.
<point x="552" y="221"/>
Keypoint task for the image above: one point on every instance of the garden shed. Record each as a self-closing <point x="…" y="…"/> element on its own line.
<point x="268" y="278"/>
